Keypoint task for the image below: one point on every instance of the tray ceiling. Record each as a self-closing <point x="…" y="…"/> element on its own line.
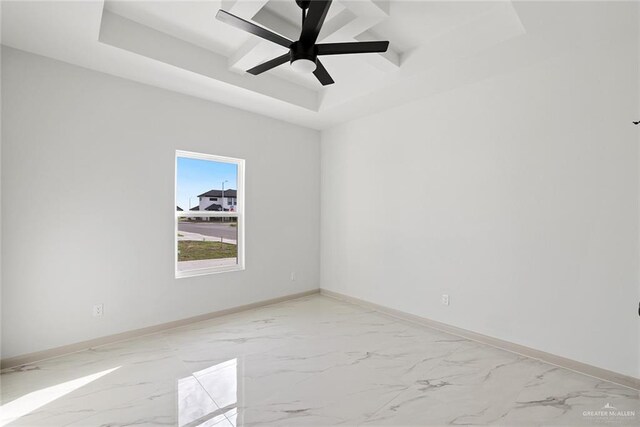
<point x="179" y="45"/>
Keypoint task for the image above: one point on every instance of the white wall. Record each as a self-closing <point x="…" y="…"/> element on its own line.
<point x="636" y="119"/>
<point x="520" y="201"/>
<point x="97" y="152"/>
<point x="1" y="133"/>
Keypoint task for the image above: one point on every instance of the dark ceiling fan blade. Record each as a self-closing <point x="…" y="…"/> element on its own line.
<point x="266" y="66"/>
<point x="322" y="74"/>
<point x="252" y="28"/>
<point x="316" y="14"/>
<point x="354" y="47"/>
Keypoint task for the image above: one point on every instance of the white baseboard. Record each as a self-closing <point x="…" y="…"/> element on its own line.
<point x="563" y="362"/>
<point x="24" y="359"/>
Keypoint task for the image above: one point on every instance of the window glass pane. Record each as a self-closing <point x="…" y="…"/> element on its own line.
<point x="205" y="185"/>
<point x="207" y="242"/>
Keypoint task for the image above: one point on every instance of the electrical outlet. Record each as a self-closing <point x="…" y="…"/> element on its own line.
<point x="445" y="299"/>
<point x="98" y="310"/>
<point x="293" y="276"/>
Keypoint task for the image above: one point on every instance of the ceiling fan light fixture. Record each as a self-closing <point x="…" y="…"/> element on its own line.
<point x="303" y="66"/>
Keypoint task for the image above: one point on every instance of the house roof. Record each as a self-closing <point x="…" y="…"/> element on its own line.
<point x="213" y="207"/>
<point x="197" y="208"/>
<point x="218" y="193"/>
<point x="179" y="209"/>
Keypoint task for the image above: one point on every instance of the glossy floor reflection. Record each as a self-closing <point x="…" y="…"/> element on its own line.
<point x="313" y="361"/>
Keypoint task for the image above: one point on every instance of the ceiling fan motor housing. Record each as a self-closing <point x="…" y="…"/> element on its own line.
<point x="299" y="51"/>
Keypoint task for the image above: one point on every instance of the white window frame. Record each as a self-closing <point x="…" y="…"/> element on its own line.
<point x="238" y="213"/>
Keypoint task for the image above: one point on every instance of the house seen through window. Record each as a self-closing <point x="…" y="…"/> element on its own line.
<point x="209" y="214"/>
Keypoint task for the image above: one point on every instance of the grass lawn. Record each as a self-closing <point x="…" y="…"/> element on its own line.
<point x="190" y="250"/>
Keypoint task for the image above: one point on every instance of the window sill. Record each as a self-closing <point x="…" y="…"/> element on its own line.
<point x="207" y="271"/>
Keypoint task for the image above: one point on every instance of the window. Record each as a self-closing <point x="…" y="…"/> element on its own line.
<point x="208" y="237"/>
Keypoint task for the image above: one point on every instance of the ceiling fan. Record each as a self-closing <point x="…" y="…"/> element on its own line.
<point x="303" y="54"/>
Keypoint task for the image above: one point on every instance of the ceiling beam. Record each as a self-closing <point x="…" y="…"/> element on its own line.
<point x="354" y="23"/>
<point x="242" y="8"/>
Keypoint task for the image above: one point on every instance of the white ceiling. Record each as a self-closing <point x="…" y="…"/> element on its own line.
<point x="179" y="45"/>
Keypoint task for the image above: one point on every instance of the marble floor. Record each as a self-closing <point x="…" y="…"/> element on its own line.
<point x="312" y="361"/>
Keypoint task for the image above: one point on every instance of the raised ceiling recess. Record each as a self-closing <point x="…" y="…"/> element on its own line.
<point x="181" y="46"/>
